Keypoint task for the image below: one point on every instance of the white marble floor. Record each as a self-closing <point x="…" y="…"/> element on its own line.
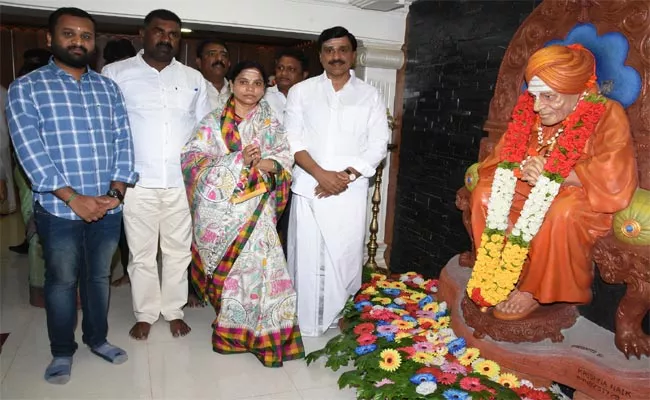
<point x="160" y="368"/>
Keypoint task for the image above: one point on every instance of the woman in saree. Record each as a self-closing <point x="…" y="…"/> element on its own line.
<point x="237" y="174"/>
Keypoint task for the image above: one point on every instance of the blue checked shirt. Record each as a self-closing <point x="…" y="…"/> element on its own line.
<point x="70" y="133"/>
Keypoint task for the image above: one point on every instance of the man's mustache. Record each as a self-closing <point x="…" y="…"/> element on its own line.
<point x="164" y="44"/>
<point x="337" y="62"/>
<point x="71" y="48"/>
<point x="214" y="64"/>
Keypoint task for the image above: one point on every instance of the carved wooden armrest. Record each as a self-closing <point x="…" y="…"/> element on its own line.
<point x="624" y="257"/>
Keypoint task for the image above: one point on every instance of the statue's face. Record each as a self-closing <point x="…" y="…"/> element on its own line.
<point x="551" y="106"/>
<point x="554" y="107"/>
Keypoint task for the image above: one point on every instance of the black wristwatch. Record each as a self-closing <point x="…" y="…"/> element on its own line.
<point x="116" y="194"/>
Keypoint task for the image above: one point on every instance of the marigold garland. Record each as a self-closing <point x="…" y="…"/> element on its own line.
<point x="499" y="261"/>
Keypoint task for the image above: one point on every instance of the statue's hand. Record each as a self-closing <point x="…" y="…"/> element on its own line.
<point x="533" y="169"/>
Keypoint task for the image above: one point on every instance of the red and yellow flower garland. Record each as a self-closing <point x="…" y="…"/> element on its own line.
<point x="499" y="262"/>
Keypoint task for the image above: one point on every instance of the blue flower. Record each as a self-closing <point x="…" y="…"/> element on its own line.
<point x="390" y="337"/>
<point x="419" y="378"/>
<point x="360" y="305"/>
<point x="361" y="350"/>
<point x="409" y="318"/>
<point x="392" y="292"/>
<point x="393" y="305"/>
<point x="615" y="79"/>
<point x="454" y="394"/>
<point x="456" y="345"/>
<point x="425" y="301"/>
<point x="380" y="322"/>
<point x="440" y="314"/>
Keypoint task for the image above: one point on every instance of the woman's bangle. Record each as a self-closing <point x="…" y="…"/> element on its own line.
<point x="72" y="197"/>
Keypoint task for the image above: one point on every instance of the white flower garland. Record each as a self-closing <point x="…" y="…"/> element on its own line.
<point x="535" y="208"/>
<point x="503" y="191"/>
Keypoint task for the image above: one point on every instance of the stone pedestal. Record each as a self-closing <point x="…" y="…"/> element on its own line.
<point x="586" y="360"/>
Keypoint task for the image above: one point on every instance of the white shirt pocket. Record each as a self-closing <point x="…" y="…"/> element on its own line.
<point x="183" y="99"/>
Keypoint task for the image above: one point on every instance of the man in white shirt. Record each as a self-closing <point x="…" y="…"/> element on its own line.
<point x="338" y="132"/>
<point x="291" y="67"/>
<point x="213" y="60"/>
<point x="165" y="100"/>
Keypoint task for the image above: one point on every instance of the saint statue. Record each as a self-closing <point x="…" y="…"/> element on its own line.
<point x="550" y="188"/>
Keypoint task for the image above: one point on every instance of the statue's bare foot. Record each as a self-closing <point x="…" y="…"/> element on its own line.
<point x="518" y="306"/>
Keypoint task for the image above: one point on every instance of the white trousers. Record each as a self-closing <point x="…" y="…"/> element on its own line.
<point x="325" y="255"/>
<point x="150" y="215"/>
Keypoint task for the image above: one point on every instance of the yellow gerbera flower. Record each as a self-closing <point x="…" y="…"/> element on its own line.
<point x="433" y="307"/>
<point x="508" y="380"/>
<point x="390" y="360"/>
<point x="383" y="284"/>
<point x="401" y="335"/>
<point x="370" y="290"/>
<point x="441" y="351"/>
<point x="423" y="320"/>
<point x="382" y="300"/>
<point x="418" y="296"/>
<point x="422" y="357"/>
<point x="487" y="367"/>
<point x="380" y="277"/>
<point x="470" y="355"/>
<point x="403" y="325"/>
<point x="444" y="321"/>
<point x="397" y="285"/>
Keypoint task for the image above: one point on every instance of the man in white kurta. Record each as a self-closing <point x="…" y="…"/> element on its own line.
<point x="338" y="131"/>
<point x="165" y="100"/>
<point x="291" y="67"/>
<point x="213" y="60"/>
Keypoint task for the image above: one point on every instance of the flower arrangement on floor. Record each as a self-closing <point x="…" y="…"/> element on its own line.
<point x="499" y="262"/>
<point x="402" y="347"/>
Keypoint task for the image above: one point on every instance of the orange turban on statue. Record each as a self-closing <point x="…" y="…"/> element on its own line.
<point x="565" y="69"/>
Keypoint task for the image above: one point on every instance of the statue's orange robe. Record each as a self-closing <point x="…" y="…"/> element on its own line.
<point x="559" y="268"/>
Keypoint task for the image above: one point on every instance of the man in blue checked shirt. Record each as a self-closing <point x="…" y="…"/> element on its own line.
<point x="72" y="137"/>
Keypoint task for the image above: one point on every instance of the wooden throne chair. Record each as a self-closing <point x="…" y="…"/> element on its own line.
<point x="618" y="33"/>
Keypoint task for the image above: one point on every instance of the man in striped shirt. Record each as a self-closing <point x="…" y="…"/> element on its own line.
<point x="72" y="137"/>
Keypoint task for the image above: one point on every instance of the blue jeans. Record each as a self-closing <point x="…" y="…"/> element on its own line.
<point x="76" y="252"/>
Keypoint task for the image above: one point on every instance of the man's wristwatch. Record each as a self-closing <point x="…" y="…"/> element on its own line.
<point x="351" y="175"/>
<point x="116" y="194"/>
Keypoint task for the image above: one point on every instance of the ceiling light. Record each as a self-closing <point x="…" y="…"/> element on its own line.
<point x="186" y="30"/>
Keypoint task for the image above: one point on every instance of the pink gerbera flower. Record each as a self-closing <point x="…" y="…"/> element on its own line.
<point x="425" y="314"/>
<point x="387" y="329"/>
<point x="423" y="346"/>
<point x="454" y="368"/>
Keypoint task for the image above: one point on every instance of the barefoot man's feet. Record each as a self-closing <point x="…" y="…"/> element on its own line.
<point x="140" y="331"/>
<point x="518" y="306"/>
<point x="193" y="301"/>
<point x="178" y="327"/>
<point x="124" y="280"/>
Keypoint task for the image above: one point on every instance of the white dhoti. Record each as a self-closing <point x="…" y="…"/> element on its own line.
<point x="325" y="254"/>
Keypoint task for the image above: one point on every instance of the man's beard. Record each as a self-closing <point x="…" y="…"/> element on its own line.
<point x="65" y="55"/>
